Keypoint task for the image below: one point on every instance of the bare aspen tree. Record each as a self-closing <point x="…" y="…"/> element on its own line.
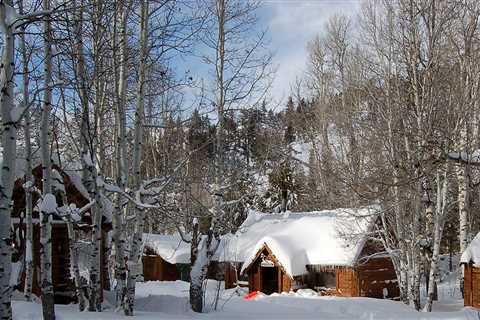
<point x="120" y="76"/>
<point x="135" y="256"/>
<point x="48" y="306"/>
<point x="28" y="165"/>
<point x="9" y="137"/>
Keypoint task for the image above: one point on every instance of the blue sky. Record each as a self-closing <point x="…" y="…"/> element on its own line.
<point x="291" y="24"/>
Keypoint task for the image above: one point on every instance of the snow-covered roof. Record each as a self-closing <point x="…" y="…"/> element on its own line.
<point x="329" y="238"/>
<point x="170" y="247"/>
<point x="472" y="253"/>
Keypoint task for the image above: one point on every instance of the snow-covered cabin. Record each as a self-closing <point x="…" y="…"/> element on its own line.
<point x="165" y="258"/>
<point x="327" y="251"/>
<point x="68" y="181"/>
<point x="470" y="260"/>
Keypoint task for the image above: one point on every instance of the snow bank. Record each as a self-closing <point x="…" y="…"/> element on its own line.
<point x="168" y="300"/>
<point x="472" y="253"/>
<point x="330" y="238"/>
<point x="170" y="247"/>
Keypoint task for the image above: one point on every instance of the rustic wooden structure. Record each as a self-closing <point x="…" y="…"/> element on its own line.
<point x="155" y="268"/>
<point x="374" y="277"/>
<point x="327" y="251"/>
<point x="63" y="285"/>
<point x="165" y="258"/>
<point x="470" y="260"/>
<point x="471" y="287"/>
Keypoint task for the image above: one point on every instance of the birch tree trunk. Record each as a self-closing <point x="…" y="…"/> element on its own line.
<point x="47" y="216"/>
<point x="92" y="166"/>
<point x="442" y="190"/>
<point x="121" y="153"/>
<point x="135" y="256"/>
<point x="203" y="249"/>
<point x="95" y="292"/>
<point x="219" y="70"/>
<point x="9" y="139"/>
<point x="462" y="198"/>
<point x="28" y="167"/>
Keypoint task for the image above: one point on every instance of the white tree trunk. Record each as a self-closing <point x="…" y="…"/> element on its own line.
<point x="442" y="190"/>
<point x="121" y="155"/>
<point x="46" y="220"/>
<point x="9" y="139"/>
<point x="135" y="256"/>
<point x="28" y="168"/>
<point x="203" y="249"/>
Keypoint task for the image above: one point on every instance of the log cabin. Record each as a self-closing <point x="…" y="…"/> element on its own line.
<point x="470" y="260"/>
<point x="63" y="286"/>
<point x="327" y="251"/>
<point x="165" y="258"/>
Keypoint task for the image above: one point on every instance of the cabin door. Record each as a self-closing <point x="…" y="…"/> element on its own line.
<point x="269" y="279"/>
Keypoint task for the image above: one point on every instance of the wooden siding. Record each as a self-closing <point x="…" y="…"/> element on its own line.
<point x="374" y="276"/>
<point x="157" y="269"/>
<point x="231" y="275"/>
<point x="369" y="278"/>
<point x="471" y="286"/>
<point x="347" y="282"/>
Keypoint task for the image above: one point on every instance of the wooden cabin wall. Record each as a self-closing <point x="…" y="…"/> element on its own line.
<point x="375" y="275"/>
<point x="63" y="286"/>
<point x="347" y="282"/>
<point x="157" y="269"/>
<point x="467" y="288"/>
<point x="286" y="283"/>
<point x="254" y="278"/>
<point x="231" y="272"/>
<point x="472" y="286"/>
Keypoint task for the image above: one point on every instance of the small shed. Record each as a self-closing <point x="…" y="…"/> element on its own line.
<point x="165" y="258"/>
<point x="327" y="251"/>
<point x="63" y="285"/>
<point x="471" y="273"/>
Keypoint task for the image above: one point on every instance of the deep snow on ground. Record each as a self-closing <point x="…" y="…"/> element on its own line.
<point x="169" y="300"/>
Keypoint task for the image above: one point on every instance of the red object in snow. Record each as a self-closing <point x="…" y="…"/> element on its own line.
<point x="251" y="295"/>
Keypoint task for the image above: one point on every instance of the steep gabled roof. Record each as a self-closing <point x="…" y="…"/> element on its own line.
<point x="472" y="253"/>
<point x="327" y="238"/>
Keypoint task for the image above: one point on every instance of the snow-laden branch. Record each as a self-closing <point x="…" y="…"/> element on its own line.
<point x="465" y="158"/>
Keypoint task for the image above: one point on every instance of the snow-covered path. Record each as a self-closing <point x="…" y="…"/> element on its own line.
<point x="169" y="300"/>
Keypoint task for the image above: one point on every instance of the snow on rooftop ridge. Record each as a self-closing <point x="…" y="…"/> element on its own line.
<point x="170" y="247"/>
<point x="298" y="239"/>
<point x="472" y="253"/>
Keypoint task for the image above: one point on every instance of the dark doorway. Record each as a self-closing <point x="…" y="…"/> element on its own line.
<point x="269" y="280"/>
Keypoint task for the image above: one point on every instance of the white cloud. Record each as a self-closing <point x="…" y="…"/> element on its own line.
<point x="291" y="25"/>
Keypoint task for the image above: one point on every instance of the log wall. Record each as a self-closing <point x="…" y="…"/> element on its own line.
<point x="157" y="269"/>
<point x="471" y="286"/>
<point x="377" y="279"/>
<point x="347" y="282"/>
